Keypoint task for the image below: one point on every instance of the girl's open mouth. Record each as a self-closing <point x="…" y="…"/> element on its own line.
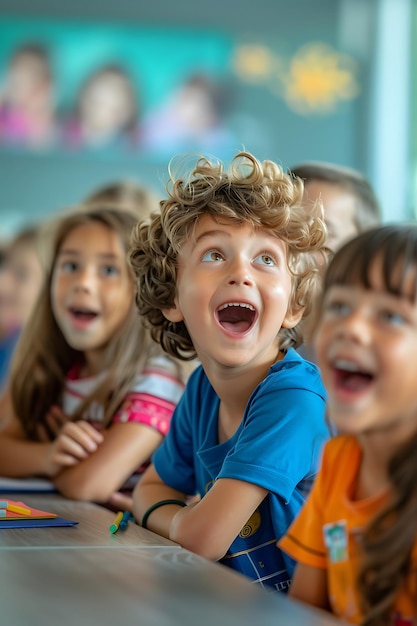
<point x="351" y="377"/>
<point x="82" y="315"/>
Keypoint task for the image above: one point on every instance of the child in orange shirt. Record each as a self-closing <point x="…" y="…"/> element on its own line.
<point x="355" y="538"/>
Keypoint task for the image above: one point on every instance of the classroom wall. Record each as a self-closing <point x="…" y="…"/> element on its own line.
<point x="326" y="50"/>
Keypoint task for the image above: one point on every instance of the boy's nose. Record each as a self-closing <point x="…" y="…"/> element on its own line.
<point x="240" y="281"/>
<point x="240" y="273"/>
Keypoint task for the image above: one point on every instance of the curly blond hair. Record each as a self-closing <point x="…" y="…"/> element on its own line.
<point x="250" y="191"/>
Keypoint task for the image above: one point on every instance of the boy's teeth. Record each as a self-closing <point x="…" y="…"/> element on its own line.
<point x="242" y="304"/>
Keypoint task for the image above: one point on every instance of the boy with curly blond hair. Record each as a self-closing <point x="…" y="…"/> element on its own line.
<point x="225" y="272"/>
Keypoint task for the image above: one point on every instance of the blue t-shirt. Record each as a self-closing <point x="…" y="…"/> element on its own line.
<point x="277" y="446"/>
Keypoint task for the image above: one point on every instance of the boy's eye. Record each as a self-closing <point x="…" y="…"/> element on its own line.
<point x="212" y="255"/>
<point x="265" y="259"/>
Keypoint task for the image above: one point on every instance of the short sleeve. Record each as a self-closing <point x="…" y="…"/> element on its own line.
<point x="304" y="540"/>
<point x="283" y="433"/>
<point x="175" y="459"/>
<point x="153" y="398"/>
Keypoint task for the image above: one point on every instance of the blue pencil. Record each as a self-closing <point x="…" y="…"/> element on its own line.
<point x="127" y="517"/>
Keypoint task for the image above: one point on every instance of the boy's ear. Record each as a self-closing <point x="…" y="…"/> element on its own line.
<point x="292" y="318"/>
<point x="173" y="314"/>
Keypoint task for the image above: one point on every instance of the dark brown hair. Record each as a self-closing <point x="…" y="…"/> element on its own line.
<point x="368" y="211"/>
<point x="389" y="538"/>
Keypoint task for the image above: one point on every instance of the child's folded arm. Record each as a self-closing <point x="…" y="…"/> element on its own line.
<point x="150" y="490"/>
<point x="210" y="526"/>
<point x="124" y="448"/>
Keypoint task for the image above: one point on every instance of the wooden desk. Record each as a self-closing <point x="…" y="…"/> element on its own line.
<point x="92" y="530"/>
<point x="137" y="587"/>
<point x="67" y="576"/>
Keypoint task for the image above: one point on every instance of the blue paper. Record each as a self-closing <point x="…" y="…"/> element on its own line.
<point x="26" y="485"/>
<point x="37" y="523"/>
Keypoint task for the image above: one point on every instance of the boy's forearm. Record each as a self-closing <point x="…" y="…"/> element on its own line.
<point x="210" y="526"/>
<point x="159" y="520"/>
<point x="197" y="532"/>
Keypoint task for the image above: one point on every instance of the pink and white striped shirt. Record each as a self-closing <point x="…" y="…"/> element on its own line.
<point x="151" y="401"/>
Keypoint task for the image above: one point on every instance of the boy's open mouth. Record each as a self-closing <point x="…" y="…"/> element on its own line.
<point x="236" y="317"/>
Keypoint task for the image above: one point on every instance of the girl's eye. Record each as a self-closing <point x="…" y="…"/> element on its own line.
<point x="392" y="317"/>
<point x="109" y="270"/>
<point x="265" y="259"/>
<point x="69" y="266"/>
<point x="212" y="255"/>
<point x="337" y="307"/>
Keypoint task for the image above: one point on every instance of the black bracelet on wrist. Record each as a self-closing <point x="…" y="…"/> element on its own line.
<point x="156" y="505"/>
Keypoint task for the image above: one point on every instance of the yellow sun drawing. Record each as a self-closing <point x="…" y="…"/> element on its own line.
<point x="314" y="81"/>
<point x="319" y="78"/>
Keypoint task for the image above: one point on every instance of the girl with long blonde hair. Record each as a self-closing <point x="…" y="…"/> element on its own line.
<point x="92" y="394"/>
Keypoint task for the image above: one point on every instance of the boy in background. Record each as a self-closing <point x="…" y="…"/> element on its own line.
<point x="350" y="207"/>
<point x="349" y="202"/>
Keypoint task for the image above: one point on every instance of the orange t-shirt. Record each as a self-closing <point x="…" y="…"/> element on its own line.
<point x="327" y="532"/>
